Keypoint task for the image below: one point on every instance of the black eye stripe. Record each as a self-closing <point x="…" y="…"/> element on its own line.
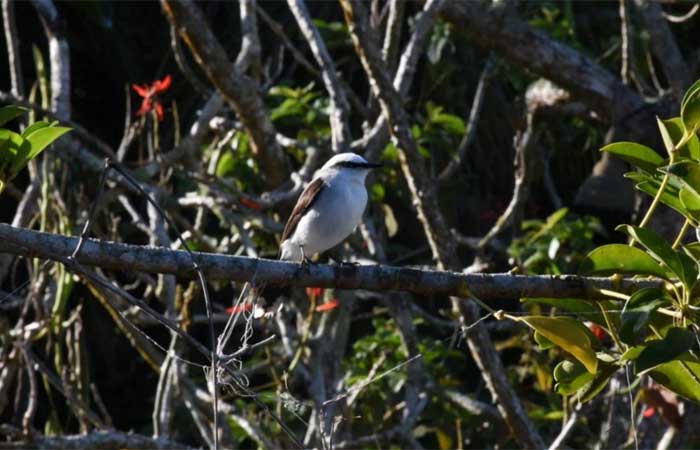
<point x="352" y="165"/>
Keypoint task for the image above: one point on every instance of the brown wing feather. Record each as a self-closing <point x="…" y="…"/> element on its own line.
<point x="306" y="200"/>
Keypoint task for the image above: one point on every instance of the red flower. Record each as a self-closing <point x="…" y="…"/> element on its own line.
<point x="245" y="201"/>
<point x="238" y="308"/>
<point x="598" y="331"/>
<point x="315" y="292"/>
<point x="330" y="304"/>
<point x="150" y="94"/>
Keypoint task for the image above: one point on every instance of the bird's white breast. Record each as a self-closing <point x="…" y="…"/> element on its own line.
<point x="334" y="216"/>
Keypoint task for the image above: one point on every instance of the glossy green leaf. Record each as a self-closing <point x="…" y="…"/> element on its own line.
<point x="601" y="379"/>
<point x="35" y="126"/>
<point x="679" y="263"/>
<point x="636" y="154"/>
<point x="10" y="112"/>
<point x="690" y="92"/>
<point x="690" y="200"/>
<point x="585" y="308"/>
<point x="570" y="377"/>
<point x="681" y="376"/>
<point x="636" y="312"/>
<point x="669" y="197"/>
<point x="669" y="144"/>
<point x="676" y="342"/>
<point x="620" y="258"/>
<point x="632" y="353"/>
<point x="688" y="173"/>
<point x="551" y="221"/>
<point x="676" y="130"/>
<point x="38" y="141"/>
<point x="567" y="333"/>
<point x="542" y="342"/>
<point x="690" y="111"/>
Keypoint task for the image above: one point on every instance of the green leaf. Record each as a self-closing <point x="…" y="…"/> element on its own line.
<point x="690" y="110"/>
<point x="636" y="154"/>
<point x="669" y="196"/>
<point x="38" y="141"/>
<point x="542" y="342"/>
<point x="681" y="376"/>
<point x="680" y="264"/>
<point x="9" y="112"/>
<point x="636" y="312"/>
<point x="687" y="172"/>
<point x="552" y="220"/>
<point x="586" y="308"/>
<point x="665" y="136"/>
<point x="676" y="342"/>
<point x="35" y="126"/>
<point x="450" y="122"/>
<point x="567" y="333"/>
<point x="12" y="145"/>
<point x="602" y="378"/>
<point x="570" y="377"/>
<point x="690" y="200"/>
<point x="690" y="92"/>
<point x="620" y="258"/>
<point x="676" y="130"/>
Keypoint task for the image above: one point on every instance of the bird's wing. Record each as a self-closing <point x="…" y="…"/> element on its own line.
<point x="306" y="200"/>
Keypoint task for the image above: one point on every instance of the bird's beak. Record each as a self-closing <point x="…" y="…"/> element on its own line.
<point x="370" y="165"/>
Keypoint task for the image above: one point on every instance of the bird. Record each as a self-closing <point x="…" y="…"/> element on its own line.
<point x="329" y="209"/>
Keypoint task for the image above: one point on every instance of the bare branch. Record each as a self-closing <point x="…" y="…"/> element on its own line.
<point x="96" y="440"/>
<point x="392" y="36"/>
<point x="13" y="61"/>
<point x="238" y="89"/>
<point x="249" y="56"/>
<point x="134" y="258"/>
<point x="59" y="56"/>
<point x="664" y="47"/>
<point x="470" y="132"/>
<point x="340" y="109"/>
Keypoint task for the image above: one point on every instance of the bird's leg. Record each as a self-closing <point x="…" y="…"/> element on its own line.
<point x="336" y="257"/>
<point x="305" y="262"/>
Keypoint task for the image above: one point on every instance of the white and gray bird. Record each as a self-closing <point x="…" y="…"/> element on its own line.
<point x="329" y="209"/>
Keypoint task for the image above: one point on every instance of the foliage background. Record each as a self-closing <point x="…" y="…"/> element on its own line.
<point x="116" y="44"/>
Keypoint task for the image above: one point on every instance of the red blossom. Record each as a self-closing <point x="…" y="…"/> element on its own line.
<point x="239" y="308"/>
<point x="245" y="201"/>
<point x="598" y="331"/>
<point x="150" y="94"/>
<point x="330" y="304"/>
<point x="315" y="292"/>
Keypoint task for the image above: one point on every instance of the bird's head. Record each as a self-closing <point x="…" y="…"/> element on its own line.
<point x="349" y="163"/>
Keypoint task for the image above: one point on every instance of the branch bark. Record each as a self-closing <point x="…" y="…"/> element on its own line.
<point x="95" y="440"/>
<point x="135" y="258"/>
<point x="238" y="89"/>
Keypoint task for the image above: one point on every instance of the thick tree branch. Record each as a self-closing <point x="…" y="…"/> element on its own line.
<point x="135" y="258"/>
<point x="490" y="26"/>
<point x="95" y="440"/>
<point x="238" y="89"/>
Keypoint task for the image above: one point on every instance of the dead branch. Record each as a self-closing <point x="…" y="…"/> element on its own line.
<point x="95" y="440"/>
<point x="12" y="42"/>
<point x="134" y="258"/>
